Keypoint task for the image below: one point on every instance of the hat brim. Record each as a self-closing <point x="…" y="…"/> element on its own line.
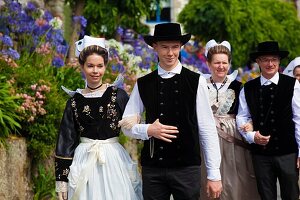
<point x="281" y="54"/>
<point x="149" y="39"/>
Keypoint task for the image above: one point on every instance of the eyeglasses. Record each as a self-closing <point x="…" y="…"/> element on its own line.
<point x="274" y="60"/>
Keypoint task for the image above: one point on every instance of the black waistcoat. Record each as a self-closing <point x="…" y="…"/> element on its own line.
<point x="173" y="102"/>
<point x="271" y="111"/>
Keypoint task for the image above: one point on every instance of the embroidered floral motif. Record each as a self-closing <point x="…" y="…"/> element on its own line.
<point x="87" y="110"/>
<point x="76" y="115"/>
<point x="65" y="172"/>
<point x="101" y="109"/>
<point x="111" y="112"/>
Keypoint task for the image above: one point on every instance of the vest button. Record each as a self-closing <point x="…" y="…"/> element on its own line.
<point x="274" y="129"/>
<point x="161" y="93"/>
<point x="261" y="106"/>
<point x="160" y="159"/>
<point x="161" y="148"/>
<point x="175" y="82"/>
<point x="261" y="114"/>
<point x="161" y="82"/>
<point x="261" y="123"/>
<point x="272" y="120"/>
<point x="272" y="112"/>
<point x="176" y="91"/>
<point x="161" y="114"/>
<point x="276" y="138"/>
<point x="161" y="103"/>
<point x="276" y="148"/>
<point x="272" y="96"/>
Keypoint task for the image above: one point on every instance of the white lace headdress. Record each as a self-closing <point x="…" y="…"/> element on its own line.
<point x="290" y="68"/>
<point x="88" y="41"/>
<point x="212" y="43"/>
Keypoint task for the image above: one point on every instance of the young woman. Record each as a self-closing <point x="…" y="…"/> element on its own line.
<point x="90" y="163"/>
<point x="237" y="174"/>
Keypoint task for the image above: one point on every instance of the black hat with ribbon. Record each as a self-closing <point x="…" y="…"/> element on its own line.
<point x="167" y="32"/>
<point x="268" y="48"/>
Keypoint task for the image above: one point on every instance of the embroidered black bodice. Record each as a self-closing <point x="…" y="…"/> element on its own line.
<point x="94" y="118"/>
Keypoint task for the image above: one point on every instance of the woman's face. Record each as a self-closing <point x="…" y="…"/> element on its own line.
<point x="94" y="69"/>
<point x="296" y="72"/>
<point x="219" y="66"/>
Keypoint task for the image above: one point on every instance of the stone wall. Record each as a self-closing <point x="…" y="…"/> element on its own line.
<point x="15" y="168"/>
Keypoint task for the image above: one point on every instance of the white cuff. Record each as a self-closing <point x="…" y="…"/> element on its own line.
<point x="61" y="186"/>
<point x="214" y="175"/>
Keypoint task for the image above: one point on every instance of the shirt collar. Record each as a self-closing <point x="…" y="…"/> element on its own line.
<point x="274" y="79"/>
<point x="175" y="70"/>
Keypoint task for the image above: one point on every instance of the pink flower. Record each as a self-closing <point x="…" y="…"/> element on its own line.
<point x="33" y="87"/>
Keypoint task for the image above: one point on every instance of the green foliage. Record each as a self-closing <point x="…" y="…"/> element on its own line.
<point x="44" y="184"/>
<point x="105" y="16"/>
<point x="244" y="24"/>
<point x="8" y="106"/>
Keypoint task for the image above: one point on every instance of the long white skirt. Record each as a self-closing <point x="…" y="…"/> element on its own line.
<point x="103" y="170"/>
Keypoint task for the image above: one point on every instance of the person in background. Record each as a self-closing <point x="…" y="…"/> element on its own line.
<point x="90" y="163"/>
<point x="293" y="68"/>
<point x="178" y="121"/>
<point x="237" y="173"/>
<point x="272" y="102"/>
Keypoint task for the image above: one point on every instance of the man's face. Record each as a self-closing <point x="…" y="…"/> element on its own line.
<point x="269" y="65"/>
<point x="168" y="53"/>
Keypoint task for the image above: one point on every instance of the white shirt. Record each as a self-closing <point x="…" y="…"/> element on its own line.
<point x="208" y="136"/>
<point x="244" y="116"/>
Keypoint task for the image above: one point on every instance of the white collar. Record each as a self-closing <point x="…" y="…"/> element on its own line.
<point x="175" y="70"/>
<point x="274" y="79"/>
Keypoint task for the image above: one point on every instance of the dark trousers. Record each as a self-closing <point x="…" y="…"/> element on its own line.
<point x="268" y="168"/>
<point x="183" y="183"/>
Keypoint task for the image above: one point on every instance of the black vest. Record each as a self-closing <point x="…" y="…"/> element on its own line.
<point x="271" y="111"/>
<point x="173" y="102"/>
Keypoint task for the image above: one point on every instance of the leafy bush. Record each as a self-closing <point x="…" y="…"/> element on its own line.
<point x="244" y="24"/>
<point x="44" y="184"/>
<point x="8" y="106"/>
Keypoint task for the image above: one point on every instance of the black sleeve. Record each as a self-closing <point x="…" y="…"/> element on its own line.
<point x="122" y="99"/>
<point x="67" y="141"/>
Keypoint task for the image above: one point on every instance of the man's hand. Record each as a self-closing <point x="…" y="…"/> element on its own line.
<point x="213" y="189"/>
<point x="162" y="132"/>
<point x="62" y="195"/>
<point x="298" y="162"/>
<point x="260" y="139"/>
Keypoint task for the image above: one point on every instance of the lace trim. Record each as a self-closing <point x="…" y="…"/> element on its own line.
<point x="225" y="102"/>
<point x="129" y="122"/>
<point x="61" y="186"/>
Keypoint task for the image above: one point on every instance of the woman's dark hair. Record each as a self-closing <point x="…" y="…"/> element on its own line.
<point x="93" y="49"/>
<point x="218" y="49"/>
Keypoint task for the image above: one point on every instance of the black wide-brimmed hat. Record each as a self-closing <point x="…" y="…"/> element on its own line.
<point x="167" y="32"/>
<point x="268" y="48"/>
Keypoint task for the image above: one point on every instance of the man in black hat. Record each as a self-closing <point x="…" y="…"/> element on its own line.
<point x="272" y="102"/>
<point x="178" y="121"/>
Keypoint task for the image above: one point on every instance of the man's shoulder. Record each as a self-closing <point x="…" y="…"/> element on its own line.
<point x="252" y="81"/>
<point x="190" y="72"/>
<point x="147" y="76"/>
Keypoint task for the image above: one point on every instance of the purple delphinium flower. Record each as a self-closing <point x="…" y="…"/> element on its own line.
<point x="57" y="62"/>
<point x="120" y="30"/>
<point x="47" y="15"/>
<point x="13" y="54"/>
<point x="30" y="6"/>
<point x="62" y="49"/>
<point x="6" y="40"/>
